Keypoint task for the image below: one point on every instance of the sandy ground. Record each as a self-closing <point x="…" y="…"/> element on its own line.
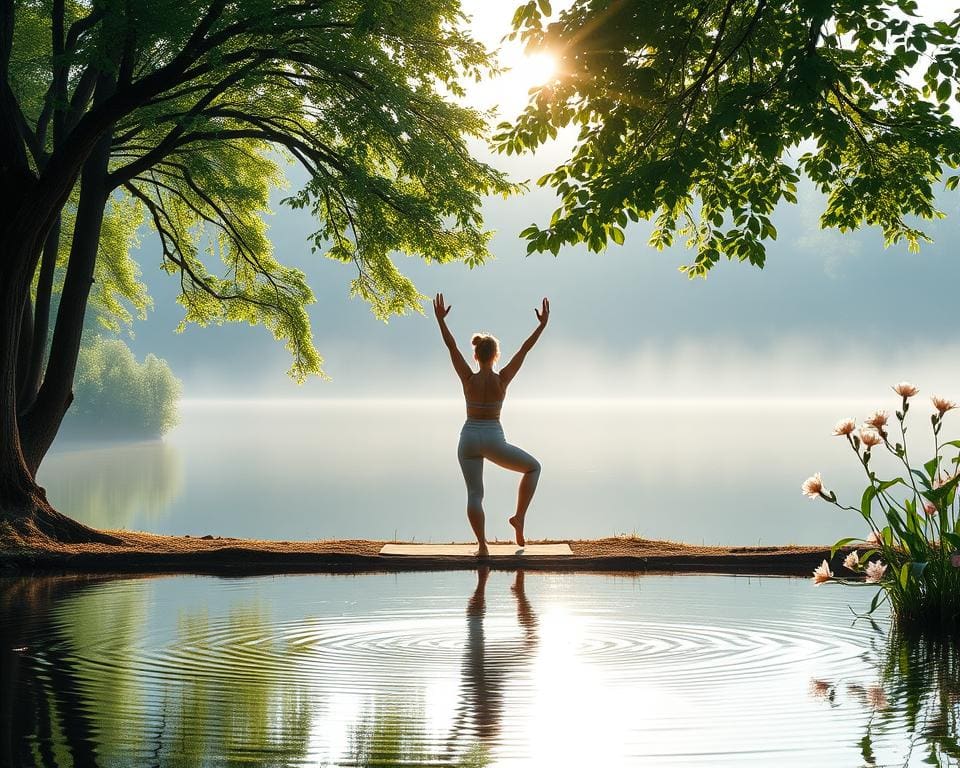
<point x="146" y="552"/>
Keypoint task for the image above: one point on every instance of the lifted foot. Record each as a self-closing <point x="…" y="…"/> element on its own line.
<point x="518" y="528"/>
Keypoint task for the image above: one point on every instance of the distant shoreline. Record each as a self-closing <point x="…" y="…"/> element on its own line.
<point x="152" y="553"/>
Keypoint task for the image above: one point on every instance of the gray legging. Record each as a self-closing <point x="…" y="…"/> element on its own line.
<point x="483" y="439"/>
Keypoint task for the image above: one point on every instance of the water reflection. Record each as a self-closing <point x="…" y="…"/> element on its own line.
<point x="76" y="683"/>
<point x="44" y="715"/>
<point x="465" y="669"/>
<point x="487" y="666"/>
<point x="393" y="734"/>
<point x="114" y="485"/>
<point x="913" y="698"/>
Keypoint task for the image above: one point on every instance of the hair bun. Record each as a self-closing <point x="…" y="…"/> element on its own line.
<point x="476" y="339"/>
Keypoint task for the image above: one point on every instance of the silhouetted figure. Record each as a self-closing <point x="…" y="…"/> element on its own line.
<point x="482" y="435"/>
<point x="487" y="666"/>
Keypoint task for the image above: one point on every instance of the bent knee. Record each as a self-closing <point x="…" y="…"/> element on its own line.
<point x="534" y="467"/>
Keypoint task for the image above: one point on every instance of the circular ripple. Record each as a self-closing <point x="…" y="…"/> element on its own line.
<point x="664" y="654"/>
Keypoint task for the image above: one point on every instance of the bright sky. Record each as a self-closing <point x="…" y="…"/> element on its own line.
<point x="830" y="315"/>
<point x="490" y="22"/>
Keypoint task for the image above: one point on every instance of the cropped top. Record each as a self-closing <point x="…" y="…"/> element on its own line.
<point x="488" y="411"/>
<point x="475" y="389"/>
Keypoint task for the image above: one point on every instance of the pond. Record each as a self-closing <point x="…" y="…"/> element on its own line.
<point x="462" y="668"/>
<point x="723" y="472"/>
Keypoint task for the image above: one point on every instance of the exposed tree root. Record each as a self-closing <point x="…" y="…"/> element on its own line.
<point x="39" y="521"/>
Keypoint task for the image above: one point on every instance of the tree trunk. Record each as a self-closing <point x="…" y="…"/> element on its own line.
<point x="40" y="424"/>
<point x="24" y="343"/>
<point x="24" y="441"/>
<point x="30" y="377"/>
<point x="25" y="513"/>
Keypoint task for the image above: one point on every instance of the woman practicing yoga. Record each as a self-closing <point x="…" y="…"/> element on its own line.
<point x="482" y="436"/>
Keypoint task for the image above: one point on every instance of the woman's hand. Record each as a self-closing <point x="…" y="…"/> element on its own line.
<point x="543" y="314"/>
<point x="439" y="309"/>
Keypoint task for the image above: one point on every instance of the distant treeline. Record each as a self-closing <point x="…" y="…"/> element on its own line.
<point x="116" y="396"/>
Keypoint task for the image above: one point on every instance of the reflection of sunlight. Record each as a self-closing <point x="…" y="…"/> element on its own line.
<point x="330" y="732"/>
<point x="573" y="699"/>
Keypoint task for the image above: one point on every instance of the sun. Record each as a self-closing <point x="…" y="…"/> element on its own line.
<point x="534" y="69"/>
<point x="509" y="92"/>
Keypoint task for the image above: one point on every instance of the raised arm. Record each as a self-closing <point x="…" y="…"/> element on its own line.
<point x="459" y="364"/>
<point x="510" y="369"/>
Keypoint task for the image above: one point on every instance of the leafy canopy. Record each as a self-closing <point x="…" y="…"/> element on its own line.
<point x="212" y="98"/>
<point x="703" y="115"/>
<point x="117" y="395"/>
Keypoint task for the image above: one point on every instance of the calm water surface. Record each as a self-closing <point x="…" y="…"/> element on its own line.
<point x="721" y="472"/>
<point x="456" y="669"/>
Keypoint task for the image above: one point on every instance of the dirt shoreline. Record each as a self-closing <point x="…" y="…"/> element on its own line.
<point x="152" y="553"/>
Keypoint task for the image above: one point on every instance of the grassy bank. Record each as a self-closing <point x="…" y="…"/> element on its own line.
<point x="146" y="552"/>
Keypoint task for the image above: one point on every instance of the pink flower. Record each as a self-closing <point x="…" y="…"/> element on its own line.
<point x="942" y="479"/>
<point x="852" y="561"/>
<point x="874" y="539"/>
<point x="905" y="389"/>
<point x="875" y="571"/>
<point x="878" y="419"/>
<point x="870" y="437"/>
<point x="822" y="573"/>
<point x="876" y="698"/>
<point x="820" y="688"/>
<point x="812" y="486"/>
<point x="844" y="427"/>
<point x="942" y="404"/>
<point x="929" y="508"/>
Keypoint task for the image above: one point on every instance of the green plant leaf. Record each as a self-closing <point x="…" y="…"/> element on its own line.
<point x="890" y="483"/>
<point x="866" y="500"/>
<point x="841" y="543"/>
<point x="726" y="158"/>
<point x="924" y="482"/>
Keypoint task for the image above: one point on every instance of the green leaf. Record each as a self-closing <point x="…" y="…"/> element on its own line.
<point x="889" y="484"/>
<point x="866" y="501"/>
<point x="727" y="156"/>
<point x="841" y="543"/>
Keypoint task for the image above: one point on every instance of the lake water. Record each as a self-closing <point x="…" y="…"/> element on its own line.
<point x="461" y="669"/>
<point x="725" y="472"/>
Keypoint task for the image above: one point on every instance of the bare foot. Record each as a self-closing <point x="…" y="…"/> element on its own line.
<point x="482" y="551"/>
<point x="518" y="527"/>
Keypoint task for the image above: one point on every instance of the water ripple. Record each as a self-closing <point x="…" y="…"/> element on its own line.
<point x="432" y="670"/>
